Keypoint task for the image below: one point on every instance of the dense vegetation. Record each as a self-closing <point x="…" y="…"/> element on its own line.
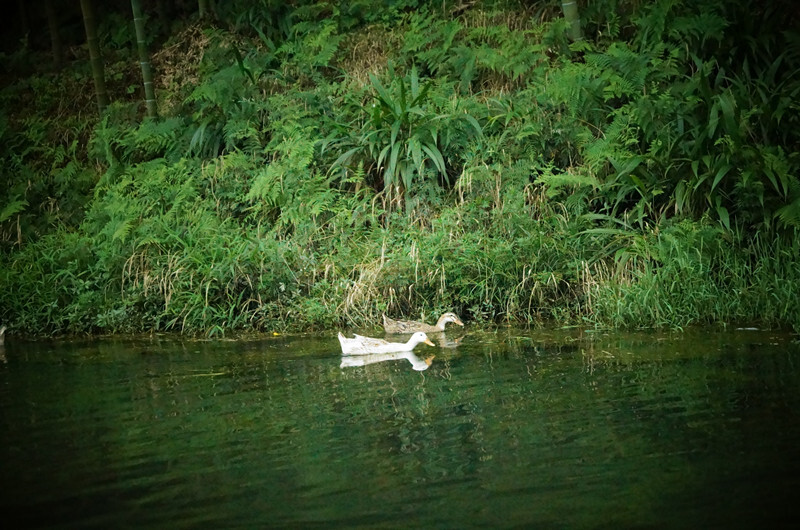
<point x="316" y="163"/>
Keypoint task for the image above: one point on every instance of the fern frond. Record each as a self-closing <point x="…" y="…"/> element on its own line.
<point x="556" y="183"/>
<point x="789" y="215"/>
<point x="12" y="208"/>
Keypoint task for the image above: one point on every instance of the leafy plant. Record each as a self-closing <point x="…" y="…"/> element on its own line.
<point x="404" y="141"/>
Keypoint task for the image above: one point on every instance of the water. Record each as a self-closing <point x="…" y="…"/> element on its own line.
<point x="504" y="429"/>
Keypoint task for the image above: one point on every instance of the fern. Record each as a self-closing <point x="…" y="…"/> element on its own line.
<point x="623" y="70"/>
<point x="12" y="208"/>
<point x="431" y="42"/>
<point x="241" y="134"/>
<point x="567" y="183"/>
<point x="313" y="48"/>
<point x="697" y="29"/>
<point x="789" y="214"/>
<point x="156" y="138"/>
<point x="291" y="158"/>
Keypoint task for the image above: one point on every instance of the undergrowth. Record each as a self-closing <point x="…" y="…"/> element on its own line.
<point x="318" y="164"/>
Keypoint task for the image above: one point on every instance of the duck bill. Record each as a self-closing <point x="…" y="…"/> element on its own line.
<point x="429" y="360"/>
<point x="429" y="343"/>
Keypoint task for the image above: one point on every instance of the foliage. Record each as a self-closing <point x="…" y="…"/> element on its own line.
<point x="495" y="50"/>
<point x="693" y="274"/>
<point x="684" y="131"/>
<point x="405" y="141"/>
<point x="319" y="163"/>
<point x="47" y="179"/>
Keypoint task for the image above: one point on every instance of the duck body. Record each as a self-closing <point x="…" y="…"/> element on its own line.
<point x="410" y="326"/>
<point x="360" y="345"/>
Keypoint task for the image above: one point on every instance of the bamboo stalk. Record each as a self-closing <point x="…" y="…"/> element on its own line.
<point x="144" y="59"/>
<point x="90" y="24"/>
<point x="573" y="18"/>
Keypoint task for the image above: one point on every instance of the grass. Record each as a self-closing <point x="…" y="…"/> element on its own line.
<point x="724" y="282"/>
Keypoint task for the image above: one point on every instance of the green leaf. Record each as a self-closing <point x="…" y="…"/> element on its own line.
<point x="720" y="174"/>
<point x="383" y="95"/>
<point x="475" y="125"/>
<point x="395" y="131"/>
<point x="724" y="217"/>
<point x="345" y="157"/>
<point x="12" y="208"/>
<point x="391" y="170"/>
<point x="414" y="84"/>
<point x="416" y="152"/>
<point x="437" y="158"/>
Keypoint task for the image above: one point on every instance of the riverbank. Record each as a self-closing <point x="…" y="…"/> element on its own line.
<point x="317" y="173"/>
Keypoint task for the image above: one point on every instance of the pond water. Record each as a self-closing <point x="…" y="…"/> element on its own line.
<point x="507" y="428"/>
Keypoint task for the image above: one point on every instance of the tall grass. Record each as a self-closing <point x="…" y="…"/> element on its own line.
<point x="691" y="274"/>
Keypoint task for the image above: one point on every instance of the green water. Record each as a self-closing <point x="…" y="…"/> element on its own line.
<point x="505" y="429"/>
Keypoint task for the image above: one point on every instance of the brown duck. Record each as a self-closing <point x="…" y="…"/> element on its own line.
<point x="405" y="326"/>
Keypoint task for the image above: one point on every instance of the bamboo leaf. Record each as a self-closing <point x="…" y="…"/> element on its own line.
<point x="345" y="157"/>
<point x="383" y="95"/>
<point x="724" y="216"/>
<point x="720" y="174"/>
<point x="395" y="131"/>
<point x="437" y="158"/>
<point x="416" y="153"/>
<point x="391" y="169"/>
<point x="475" y="125"/>
<point x="414" y="84"/>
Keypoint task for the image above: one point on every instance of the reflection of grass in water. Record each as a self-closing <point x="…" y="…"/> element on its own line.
<point x="510" y="428"/>
<point x="636" y="441"/>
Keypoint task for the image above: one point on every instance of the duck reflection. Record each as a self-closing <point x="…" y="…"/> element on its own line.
<point x="363" y="360"/>
<point x="449" y="342"/>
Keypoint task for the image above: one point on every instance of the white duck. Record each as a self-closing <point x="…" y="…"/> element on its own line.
<point x="366" y="345"/>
